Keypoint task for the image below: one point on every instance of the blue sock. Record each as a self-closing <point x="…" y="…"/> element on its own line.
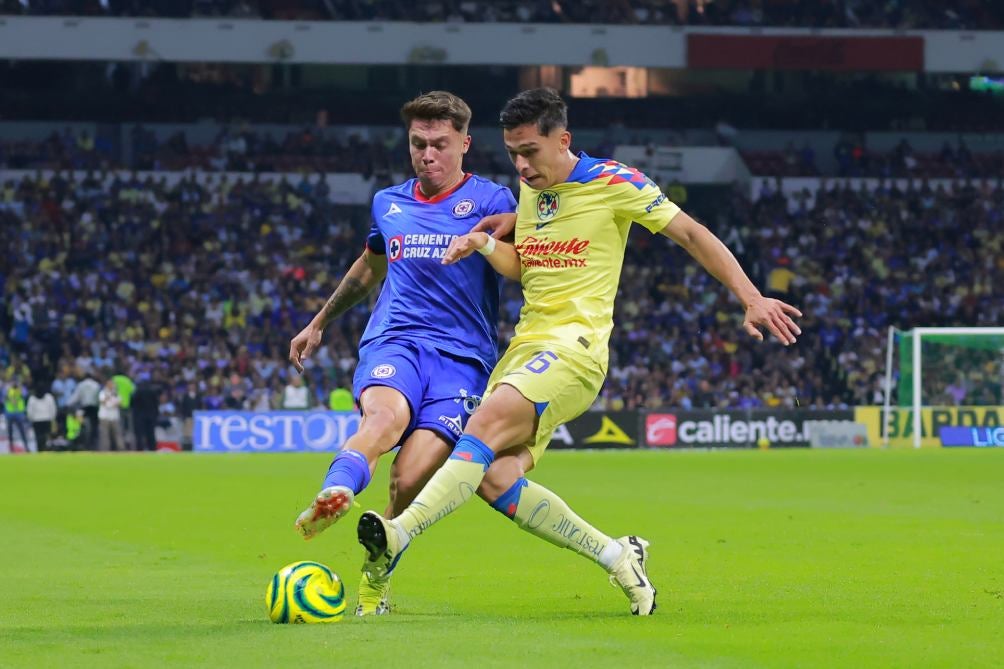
<point x="350" y="469"/>
<point x="473" y="449"/>
<point x="508" y="501"/>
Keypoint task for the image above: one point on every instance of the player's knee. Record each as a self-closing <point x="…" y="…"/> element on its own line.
<point x="489" y="422"/>
<point x="383" y="425"/>
<point x="504" y="420"/>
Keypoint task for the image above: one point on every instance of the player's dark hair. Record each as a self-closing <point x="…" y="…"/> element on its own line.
<point x="437" y="106"/>
<point x="542" y="106"/>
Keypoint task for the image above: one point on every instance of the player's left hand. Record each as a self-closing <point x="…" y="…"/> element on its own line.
<point x="463" y="246"/>
<point x="774" y="316"/>
<point x="498" y="226"/>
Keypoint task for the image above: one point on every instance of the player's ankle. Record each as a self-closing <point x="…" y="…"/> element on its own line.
<point x="610" y="554"/>
<point x="402" y="535"/>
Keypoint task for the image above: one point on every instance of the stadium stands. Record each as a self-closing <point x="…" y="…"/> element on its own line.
<point x="854" y="159"/>
<point x="905" y="14"/>
<point x="206" y="281"/>
<point x="295" y="149"/>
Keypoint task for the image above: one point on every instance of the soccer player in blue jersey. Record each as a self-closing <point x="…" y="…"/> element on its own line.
<point x="431" y="341"/>
<point x="575" y="214"/>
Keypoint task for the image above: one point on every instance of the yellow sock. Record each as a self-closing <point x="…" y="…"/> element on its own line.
<point x="543" y="514"/>
<point x="454" y="483"/>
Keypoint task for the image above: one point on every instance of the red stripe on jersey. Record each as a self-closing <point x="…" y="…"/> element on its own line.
<point x="440" y="196"/>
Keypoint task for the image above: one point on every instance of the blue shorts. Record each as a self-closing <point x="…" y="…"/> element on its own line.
<point x="442" y="389"/>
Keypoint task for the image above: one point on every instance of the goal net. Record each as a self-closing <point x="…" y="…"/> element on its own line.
<point x="945" y="377"/>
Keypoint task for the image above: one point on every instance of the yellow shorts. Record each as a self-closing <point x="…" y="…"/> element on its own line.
<point x="561" y="382"/>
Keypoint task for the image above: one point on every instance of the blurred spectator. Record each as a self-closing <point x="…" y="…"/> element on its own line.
<point x="341" y="399"/>
<point x="956" y="390"/>
<point x="41" y="413"/>
<point x="85" y="398"/>
<point x="15" y="412"/>
<point x="125" y="388"/>
<point x="190" y="403"/>
<point x="110" y="419"/>
<point x="262" y="399"/>
<point x="74" y="430"/>
<point x="677" y="192"/>
<point x="146" y="411"/>
<point x="779" y="280"/>
<point x="295" y="396"/>
<point x="235" y="400"/>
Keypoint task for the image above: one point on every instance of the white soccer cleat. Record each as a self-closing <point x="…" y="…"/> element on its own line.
<point x="631" y="576"/>
<point x="383" y="545"/>
<point x="374" y="593"/>
<point x="330" y="504"/>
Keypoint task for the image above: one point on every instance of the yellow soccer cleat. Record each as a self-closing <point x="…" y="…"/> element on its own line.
<point x="330" y="504"/>
<point x="380" y="538"/>
<point x="374" y="594"/>
<point x="631" y="576"/>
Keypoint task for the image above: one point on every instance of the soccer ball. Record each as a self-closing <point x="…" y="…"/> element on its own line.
<point x="305" y="592"/>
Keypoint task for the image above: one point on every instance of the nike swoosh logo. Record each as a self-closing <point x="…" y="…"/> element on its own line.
<point x="641" y="581"/>
<point x="542" y="225"/>
<point x="639" y="551"/>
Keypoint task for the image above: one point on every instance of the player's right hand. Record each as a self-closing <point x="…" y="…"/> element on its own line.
<point x="775" y="316"/>
<point x="496" y="225"/>
<point x="463" y="246"/>
<point x="303" y="345"/>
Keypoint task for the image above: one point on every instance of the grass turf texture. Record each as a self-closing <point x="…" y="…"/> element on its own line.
<point x="763" y="559"/>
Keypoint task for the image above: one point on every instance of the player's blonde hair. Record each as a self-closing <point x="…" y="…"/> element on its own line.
<point x="438" y="106"/>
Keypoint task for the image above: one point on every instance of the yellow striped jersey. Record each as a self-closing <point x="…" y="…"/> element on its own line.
<point x="571" y="239"/>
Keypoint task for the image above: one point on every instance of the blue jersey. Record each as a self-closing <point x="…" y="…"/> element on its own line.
<point x="452" y="308"/>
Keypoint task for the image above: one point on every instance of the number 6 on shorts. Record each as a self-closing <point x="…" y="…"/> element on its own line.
<point x="540" y="364"/>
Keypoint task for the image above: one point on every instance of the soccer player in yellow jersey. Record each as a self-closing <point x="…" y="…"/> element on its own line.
<point x="572" y="227"/>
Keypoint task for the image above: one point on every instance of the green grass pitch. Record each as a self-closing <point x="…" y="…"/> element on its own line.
<point x="763" y="559"/>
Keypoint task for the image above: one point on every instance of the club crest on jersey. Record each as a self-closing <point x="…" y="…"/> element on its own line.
<point x="394" y="248"/>
<point x="547" y="205"/>
<point x="383" y="372"/>
<point x="463" y="208"/>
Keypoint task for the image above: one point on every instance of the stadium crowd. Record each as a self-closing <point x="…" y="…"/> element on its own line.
<point x="239" y="148"/>
<point x="900" y="14"/>
<point x="193" y="291"/>
<point x="236" y="149"/>
<point x="853" y="158"/>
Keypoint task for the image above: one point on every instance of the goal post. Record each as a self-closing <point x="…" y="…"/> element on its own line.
<point x="985" y="343"/>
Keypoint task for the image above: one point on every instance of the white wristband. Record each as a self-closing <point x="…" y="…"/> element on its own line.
<point x="488" y="248"/>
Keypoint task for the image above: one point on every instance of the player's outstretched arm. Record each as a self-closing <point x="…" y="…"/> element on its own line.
<point x="366" y="272"/>
<point x="502" y="256"/>
<point x="715" y="257"/>
<point x="499" y="226"/>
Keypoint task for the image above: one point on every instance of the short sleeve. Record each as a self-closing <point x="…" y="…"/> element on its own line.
<point x="642" y="201"/>
<point x="501" y="202"/>
<point x="375" y="241"/>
